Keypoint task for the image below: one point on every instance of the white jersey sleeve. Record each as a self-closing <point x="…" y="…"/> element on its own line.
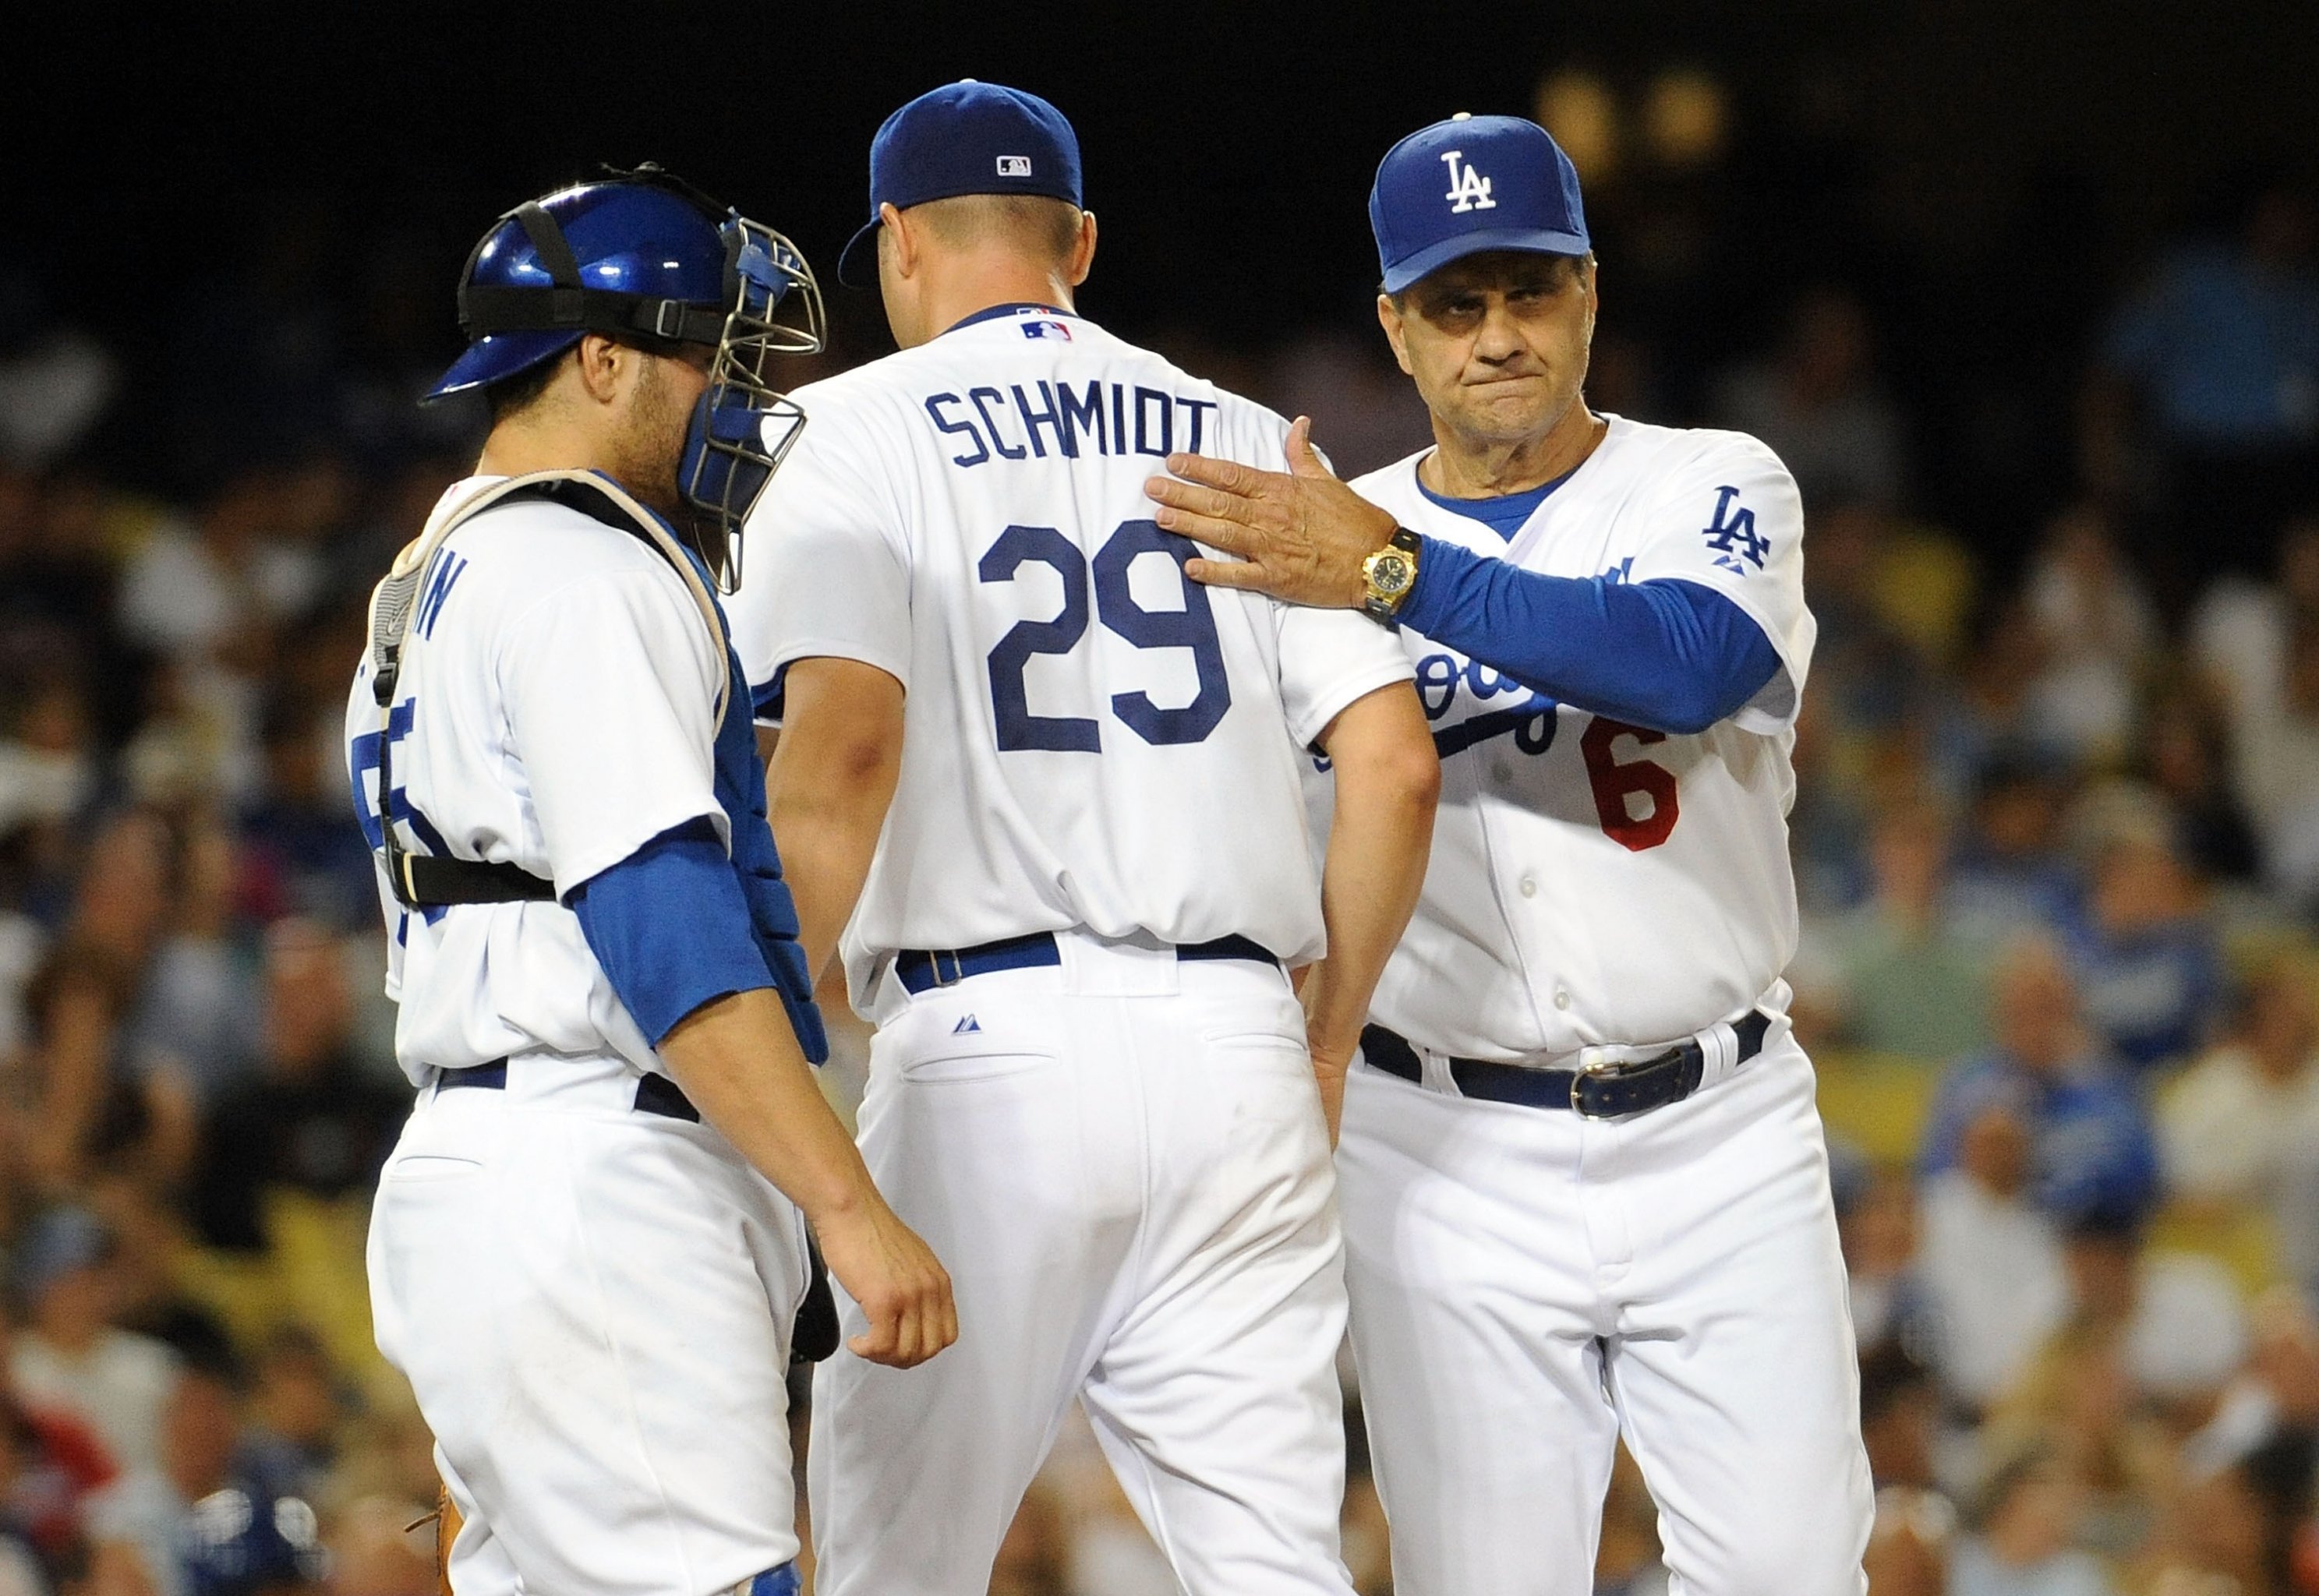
<point x="610" y="690"/>
<point x="1329" y="658"/>
<point x="1727" y="517"/>
<point x="832" y="576"/>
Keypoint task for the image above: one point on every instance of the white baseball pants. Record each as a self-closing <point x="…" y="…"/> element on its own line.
<point x="593" y="1305"/>
<point x="1529" y="1285"/>
<point x="1123" y="1164"/>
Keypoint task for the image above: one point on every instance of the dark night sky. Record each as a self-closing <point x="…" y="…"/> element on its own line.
<point x="1228" y="146"/>
<point x="1983" y="172"/>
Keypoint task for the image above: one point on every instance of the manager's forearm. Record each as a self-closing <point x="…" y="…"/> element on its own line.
<point x="738" y="1061"/>
<point x="1668" y="654"/>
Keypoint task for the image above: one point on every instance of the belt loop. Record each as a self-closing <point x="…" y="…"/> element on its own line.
<point x="1436" y="1070"/>
<point x="1719" y="1051"/>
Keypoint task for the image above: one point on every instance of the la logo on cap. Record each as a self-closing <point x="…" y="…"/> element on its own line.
<point x="1468" y="189"/>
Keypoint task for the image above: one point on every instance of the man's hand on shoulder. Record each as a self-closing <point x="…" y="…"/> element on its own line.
<point x="1299" y="535"/>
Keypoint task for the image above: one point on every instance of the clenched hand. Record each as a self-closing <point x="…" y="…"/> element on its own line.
<point x="896" y="1278"/>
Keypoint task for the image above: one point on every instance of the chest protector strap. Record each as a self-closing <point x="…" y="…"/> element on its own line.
<point x="422" y="880"/>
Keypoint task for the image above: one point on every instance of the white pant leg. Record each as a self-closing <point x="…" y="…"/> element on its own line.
<point x="1216" y="1397"/>
<point x="1012" y="1154"/>
<point x="479" y="1564"/>
<point x="593" y="1308"/>
<point x="1476" y="1309"/>
<point x="1734" y="1370"/>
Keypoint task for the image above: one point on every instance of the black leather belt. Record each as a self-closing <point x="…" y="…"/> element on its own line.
<point x="655" y="1094"/>
<point x="1599" y="1094"/>
<point x="922" y="969"/>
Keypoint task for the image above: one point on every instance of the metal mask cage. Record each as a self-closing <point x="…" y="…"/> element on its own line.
<point x="748" y="426"/>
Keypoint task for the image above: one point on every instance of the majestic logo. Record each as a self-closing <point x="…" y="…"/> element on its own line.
<point x="968" y="1026"/>
<point x="1733" y="535"/>
<point x="1468" y="189"/>
<point x="1013" y="166"/>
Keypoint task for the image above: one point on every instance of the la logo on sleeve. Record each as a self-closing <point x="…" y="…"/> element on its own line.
<point x="1733" y="535"/>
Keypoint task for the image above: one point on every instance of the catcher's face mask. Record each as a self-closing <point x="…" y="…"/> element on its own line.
<point x="743" y="427"/>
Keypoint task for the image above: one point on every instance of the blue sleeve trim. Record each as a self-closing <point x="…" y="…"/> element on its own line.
<point x="671" y="926"/>
<point x="1669" y="655"/>
<point x="768" y="701"/>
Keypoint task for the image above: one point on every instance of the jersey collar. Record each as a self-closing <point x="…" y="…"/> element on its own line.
<point x="1021" y="307"/>
<point x="1504" y="514"/>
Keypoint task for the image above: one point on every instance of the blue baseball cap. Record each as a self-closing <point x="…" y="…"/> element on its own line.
<point x="1471" y="184"/>
<point x="962" y="138"/>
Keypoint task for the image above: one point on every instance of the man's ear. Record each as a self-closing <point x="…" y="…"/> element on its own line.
<point x="604" y="365"/>
<point x="902" y="239"/>
<point x="1083" y="252"/>
<point x="1389" y="317"/>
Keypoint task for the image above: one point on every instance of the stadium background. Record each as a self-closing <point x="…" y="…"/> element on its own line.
<point x="2027" y="294"/>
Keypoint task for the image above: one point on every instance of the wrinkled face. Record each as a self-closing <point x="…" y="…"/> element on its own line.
<point x="1496" y="342"/>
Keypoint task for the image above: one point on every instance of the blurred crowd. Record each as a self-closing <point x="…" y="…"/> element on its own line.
<point x="2056" y="833"/>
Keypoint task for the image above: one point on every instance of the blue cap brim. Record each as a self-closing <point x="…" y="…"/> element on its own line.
<point x="1525" y="240"/>
<point x="858" y="267"/>
<point x="497" y="355"/>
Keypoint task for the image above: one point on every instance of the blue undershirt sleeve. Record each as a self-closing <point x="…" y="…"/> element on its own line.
<point x="1669" y="655"/>
<point x="671" y="927"/>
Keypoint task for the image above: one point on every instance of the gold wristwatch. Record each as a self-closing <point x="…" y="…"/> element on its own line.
<point x="1389" y="574"/>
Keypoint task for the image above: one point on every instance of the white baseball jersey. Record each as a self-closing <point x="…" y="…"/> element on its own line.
<point x="1092" y="739"/>
<point x="1593" y="882"/>
<point x="556" y="710"/>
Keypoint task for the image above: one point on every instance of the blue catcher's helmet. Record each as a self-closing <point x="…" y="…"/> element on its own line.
<point x="644" y="257"/>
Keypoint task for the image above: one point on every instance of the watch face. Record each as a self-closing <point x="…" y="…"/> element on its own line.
<point x="1392" y="572"/>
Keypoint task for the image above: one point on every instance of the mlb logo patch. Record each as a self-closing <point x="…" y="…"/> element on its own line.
<point x="1013" y="166"/>
<point x="1047" y="328"/>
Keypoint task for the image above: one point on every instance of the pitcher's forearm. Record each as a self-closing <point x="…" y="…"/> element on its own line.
<point x="826" y="855"/>
<point x="827" y="788"/>
<point x="1388" y="782"/>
